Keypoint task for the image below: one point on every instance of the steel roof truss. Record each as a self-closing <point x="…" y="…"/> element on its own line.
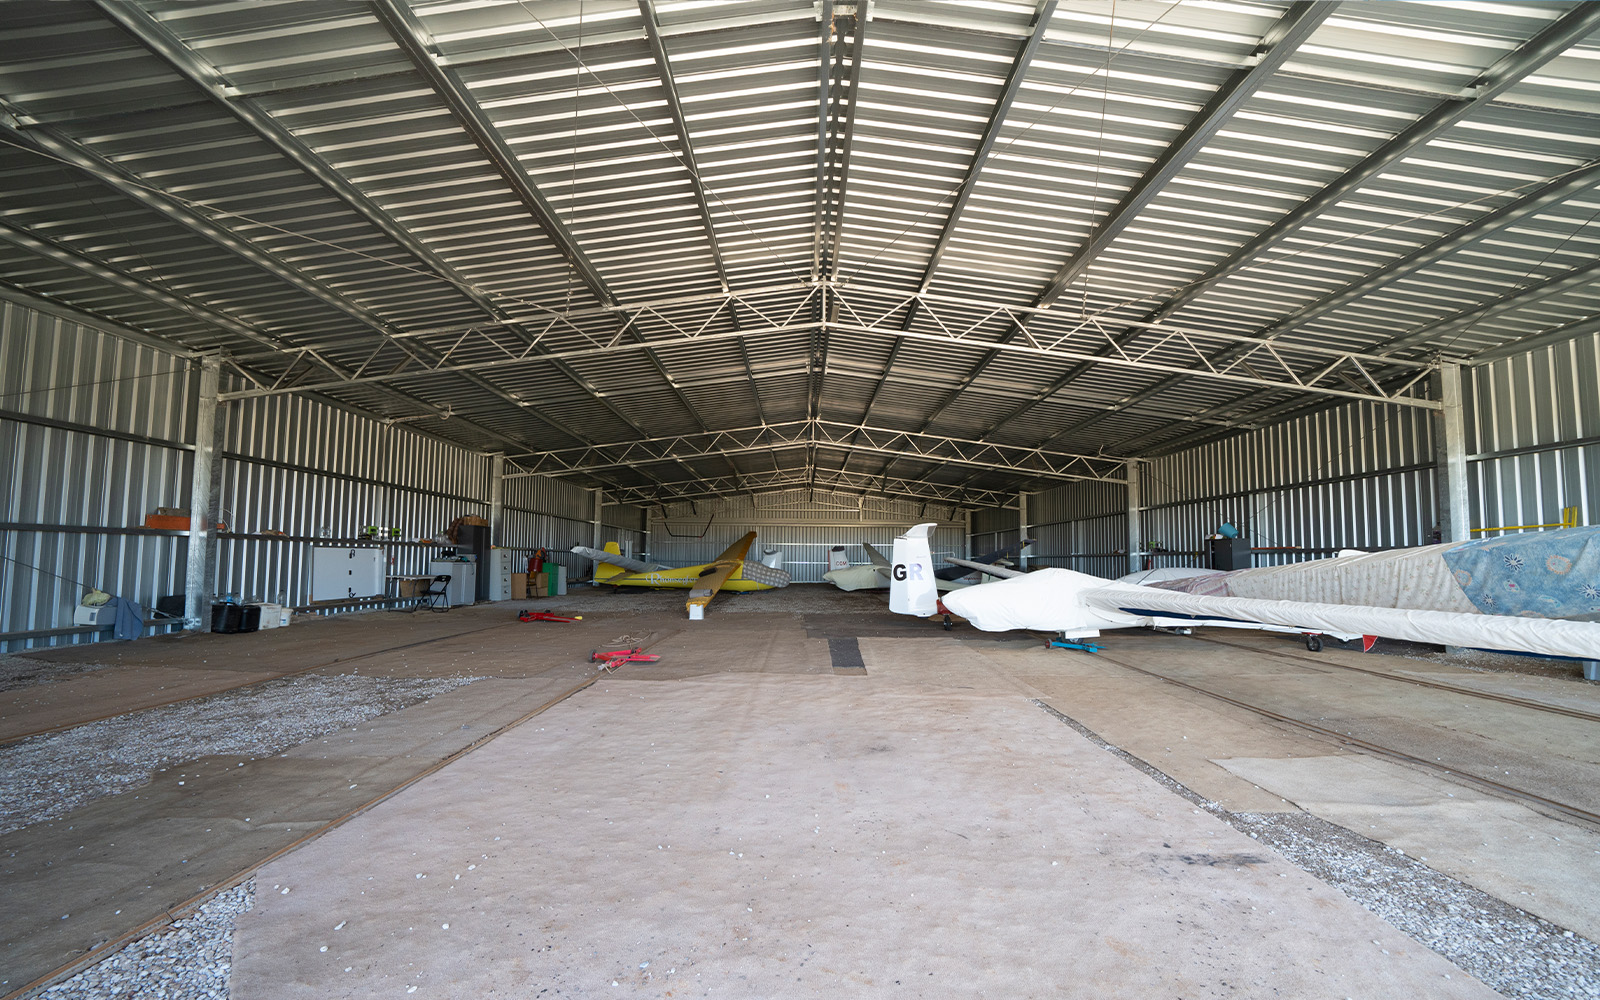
<point x="827" y="434"/>
<point x="1198" y="364"/>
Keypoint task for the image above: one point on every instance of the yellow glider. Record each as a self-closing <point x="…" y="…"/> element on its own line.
<point x="729" y="571"/>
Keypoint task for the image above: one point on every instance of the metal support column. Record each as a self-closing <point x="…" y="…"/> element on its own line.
<point x="1135" y="520"/>
<point x="201" y="574"/>
<point x="1455" y="519"/>
<point x="599" y="509"/>
<point x="966" y="519"/>
<point x="497" y="500"/>
<point x="1022" y="529"/>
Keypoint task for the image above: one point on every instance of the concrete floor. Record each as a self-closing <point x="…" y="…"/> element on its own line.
<point x="755" y="816"/>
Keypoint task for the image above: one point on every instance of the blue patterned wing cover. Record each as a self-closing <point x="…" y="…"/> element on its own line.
<point x="1542" y="574"/>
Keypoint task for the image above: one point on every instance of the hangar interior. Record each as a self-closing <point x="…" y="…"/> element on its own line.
<point x="1322" y="271"/>
<point x="1104" y="274"/>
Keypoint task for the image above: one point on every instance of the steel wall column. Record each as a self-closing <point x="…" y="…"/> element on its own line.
<point x="599" y="509"/>
<point x="1455" y="519"/>
<point x="200" y="578"/>
<point x="497" y="499"/>
<point x="1135" y="524"/>
<point x="1022" y="530"/>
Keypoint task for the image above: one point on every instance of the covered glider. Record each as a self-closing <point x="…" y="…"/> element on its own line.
<point x="1081" y="606"/>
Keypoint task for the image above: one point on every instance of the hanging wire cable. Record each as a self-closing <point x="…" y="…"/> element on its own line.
<point x="1103" y="70"/>
<point x="1099" y="149"/>
<point x="16" y="394"/>
<point x="583" y="67"/>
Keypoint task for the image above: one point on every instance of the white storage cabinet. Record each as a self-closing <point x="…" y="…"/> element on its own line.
<point x="346" y="572"/>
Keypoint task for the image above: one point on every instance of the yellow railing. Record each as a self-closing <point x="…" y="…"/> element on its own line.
<point x="1569" y="519"/>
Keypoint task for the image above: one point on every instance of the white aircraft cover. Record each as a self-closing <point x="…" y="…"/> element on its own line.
<point x="1399" y="578"/>
<point x="1161" y="576"/>
<point x="1056" y="600"/>
<point x="1540" y="636"/>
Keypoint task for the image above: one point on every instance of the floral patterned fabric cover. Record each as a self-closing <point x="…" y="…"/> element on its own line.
<point x="1536" y="574"/>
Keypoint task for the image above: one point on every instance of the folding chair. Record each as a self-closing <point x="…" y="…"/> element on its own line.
<point x="436" y="598"/>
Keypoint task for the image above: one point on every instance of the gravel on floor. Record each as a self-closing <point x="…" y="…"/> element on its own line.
<point x="47" y="776"/>
<point x="1514" y="952"/>
<point x="188" y="961"/>
<point x="25" y="671"/>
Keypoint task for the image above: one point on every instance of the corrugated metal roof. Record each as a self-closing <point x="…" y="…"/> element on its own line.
<point x="682" y="249"/>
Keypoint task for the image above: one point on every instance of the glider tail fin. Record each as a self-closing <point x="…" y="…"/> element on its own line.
<point x="912" y="588"/>
<point x="606" y="570"/>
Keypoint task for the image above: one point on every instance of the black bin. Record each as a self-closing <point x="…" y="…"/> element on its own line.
<point x="1230" y="553"/>
<point x="233" y="618"/>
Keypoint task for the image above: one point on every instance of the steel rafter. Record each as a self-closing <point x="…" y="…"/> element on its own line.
<point x="1569" y="331"/>
<point x="839" y="116"/>
<point x="997" y="118"/>
<point x="278" y="348"/>
<point x="1002" y="108"/>
<point x="1569" y="185"/>
<point x="1553" y="192"/>
<point x="1518" y="298"/>
<point x="1511" y="70"/>
<point x="53" y="144"/>
<point x="658" y="50"/>
<point x="213" y="84"/>
<point x="1286" y="36"/>
<point x="155" y="36"/>
<point x="825" y="60"/>
<point x="412" y="36"/>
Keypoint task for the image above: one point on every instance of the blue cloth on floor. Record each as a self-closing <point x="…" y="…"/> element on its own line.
<point x="1536" y="574"/>
<point x="130" y="618"/>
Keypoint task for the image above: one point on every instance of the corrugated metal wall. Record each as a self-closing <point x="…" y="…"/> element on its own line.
<point x="96" y="432"/>
<point x="91" y="439"/>
<point x="1359" y="476"/>
<point x="1533" y="437"/>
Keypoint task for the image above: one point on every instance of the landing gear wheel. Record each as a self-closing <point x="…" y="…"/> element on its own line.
<point x="1314" y="643"/>
<point x="948" y="624"/>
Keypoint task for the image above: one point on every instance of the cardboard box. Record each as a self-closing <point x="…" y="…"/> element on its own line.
<point x="274" y="616"/>
<point x="541" y="585"/>
<point x="519" y="586"/>
<point x="414" y="587"/>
